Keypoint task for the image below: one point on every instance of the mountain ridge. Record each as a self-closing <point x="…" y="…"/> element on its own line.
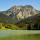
<point x="19" y="12"/>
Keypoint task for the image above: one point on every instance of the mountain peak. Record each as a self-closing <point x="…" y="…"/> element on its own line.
<point x="21" y="12"/>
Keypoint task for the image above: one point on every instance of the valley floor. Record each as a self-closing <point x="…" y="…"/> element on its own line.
<point x="20" y="35"/>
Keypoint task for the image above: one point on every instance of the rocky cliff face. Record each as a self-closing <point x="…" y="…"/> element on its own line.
<point x="20" y="12"/>
<point x="21" y="16"/>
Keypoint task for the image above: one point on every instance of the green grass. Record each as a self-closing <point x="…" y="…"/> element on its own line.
<point x="21" y="37"/>
<point x="4" y="26"/>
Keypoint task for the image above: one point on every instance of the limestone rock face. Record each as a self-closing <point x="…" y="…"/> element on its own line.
<point x="20" y="12"/>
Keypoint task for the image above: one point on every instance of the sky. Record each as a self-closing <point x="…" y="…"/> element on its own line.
<point x="6" y="4"/>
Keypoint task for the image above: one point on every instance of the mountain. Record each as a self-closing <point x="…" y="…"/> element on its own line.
<point x="31" y="19"/>
<point x="21" y="12"/>
<point x="18" y="13"/>
<point x="21" y="16"/>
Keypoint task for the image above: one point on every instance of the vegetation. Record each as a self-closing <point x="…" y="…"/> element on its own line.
<point x="20" y="35"/>
<point x="5" y="26"/>
<point x="19" y="17"/>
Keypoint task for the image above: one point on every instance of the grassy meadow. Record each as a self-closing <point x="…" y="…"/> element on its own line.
<point x="19" y="35"/>
<point x="11" y="26"/>
<point x="5" y="26"/>
<point x="10" y="32"/>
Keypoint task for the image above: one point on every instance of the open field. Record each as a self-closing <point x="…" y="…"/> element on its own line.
<point x="19" y="35"/>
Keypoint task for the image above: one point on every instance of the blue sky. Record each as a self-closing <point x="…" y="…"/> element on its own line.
<point x="6" y="4"/>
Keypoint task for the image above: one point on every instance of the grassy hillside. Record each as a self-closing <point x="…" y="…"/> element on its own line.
<point x="6" y="26"/>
